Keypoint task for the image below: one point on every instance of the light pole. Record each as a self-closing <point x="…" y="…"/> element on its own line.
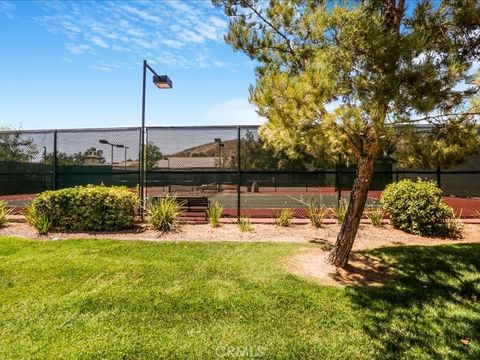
<point x="168" y="162"/>
<point x="106" y="142"/>
<point x="125" y="161"/>
<point x="161" y="82"/>
<point x="220" y="146"/>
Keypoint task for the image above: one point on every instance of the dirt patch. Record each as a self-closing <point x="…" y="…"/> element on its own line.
<point x="361" y="270"/>
<point x="368" y="237"/>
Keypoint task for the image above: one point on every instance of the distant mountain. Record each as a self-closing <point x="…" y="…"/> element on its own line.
<point x="208" y="150"/>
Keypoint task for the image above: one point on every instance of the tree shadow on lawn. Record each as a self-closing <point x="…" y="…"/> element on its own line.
<point x="431" y="306"/>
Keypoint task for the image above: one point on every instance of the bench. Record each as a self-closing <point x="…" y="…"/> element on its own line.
<point x="191" y="203"/>
<point x="213" y="187"/>
<point x="182" y="188"/>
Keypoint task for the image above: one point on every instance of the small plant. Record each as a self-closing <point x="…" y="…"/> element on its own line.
<point x="340" y="213"/>
<point x="214" y="213"/>
<point x="164" y="214"/>
<point x="4" y="212"/>
<point x="375" y="214"/>
<point x="284" y="218"/>
<point x="453" y="226"/>
<point x="316" y="214"/>
<point x="38" y="219"/>
<point x="244" y="223"/>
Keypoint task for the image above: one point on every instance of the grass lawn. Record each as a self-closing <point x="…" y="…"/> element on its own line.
<point x="113" y="299"/>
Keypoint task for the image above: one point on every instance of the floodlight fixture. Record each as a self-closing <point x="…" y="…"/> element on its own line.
<point x="162" y="81"/>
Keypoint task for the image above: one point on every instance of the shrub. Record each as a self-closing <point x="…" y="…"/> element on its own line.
<point x="97" y="208"/>
<point x="214" y="213"/>
<point x="316" y="214"/>
<point x="375" y="214"/>
<point x="164" y="214"/>
<point x="38" y="219"/>
<point x="4" y="212"/>
<point x="284" y="218"/>
<point x="417" y="207"/>
<point x="340" y="213"/>
<point x="244" y="223"/>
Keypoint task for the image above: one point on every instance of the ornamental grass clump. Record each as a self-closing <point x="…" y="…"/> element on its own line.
<point x="83" y="208"/>
<point x="316" y="214"/>
<point x="417" y="207"/>
<point x="284" y="219"/>
<point x="244" y="223"/>
<point x="164" y="214"/>
<point x="214" y="213"/>
<point x="375" y="215"/>
<point x="4" y="212"/>
<point x="340" y="212"/>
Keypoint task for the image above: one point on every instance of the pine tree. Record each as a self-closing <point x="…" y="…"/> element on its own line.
<point x="351" y="77"/>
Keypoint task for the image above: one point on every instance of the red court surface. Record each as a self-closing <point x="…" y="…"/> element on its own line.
<point x="269" y="201"/>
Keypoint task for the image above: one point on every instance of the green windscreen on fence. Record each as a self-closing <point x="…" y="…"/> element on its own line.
<point x="225" y="163"/>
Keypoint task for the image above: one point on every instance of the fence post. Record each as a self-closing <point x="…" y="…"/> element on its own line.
<point x="339" y="180"/>
<point x="54" y="182"/>
<point x="439" y="176"/>
<point x="145" y="169"/>
<point x="239" y="169"/>
<point x="140" y="171"/>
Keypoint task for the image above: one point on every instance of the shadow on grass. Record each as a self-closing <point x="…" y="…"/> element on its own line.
<point x="430" y="308"/>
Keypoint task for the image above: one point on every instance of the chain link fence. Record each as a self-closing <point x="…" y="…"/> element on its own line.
<point x="226" y="164"/>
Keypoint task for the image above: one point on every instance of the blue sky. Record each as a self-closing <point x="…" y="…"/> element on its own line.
<point x="79" y="64"/>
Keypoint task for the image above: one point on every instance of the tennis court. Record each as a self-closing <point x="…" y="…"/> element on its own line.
<point x="206" y="162"/>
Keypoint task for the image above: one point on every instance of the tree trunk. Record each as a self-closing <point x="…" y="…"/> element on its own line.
<point x="358" y="197"/>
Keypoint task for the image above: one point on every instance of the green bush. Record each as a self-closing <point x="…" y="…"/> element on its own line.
<point x="417" y="207"/>
<point x="38" y="219"/>
<point x="214" y="213"/>
<point x="97" y="208"/>
<point x="164" y="214"/>
<point x="284" y="219"/>
<point x="4" y="212"/>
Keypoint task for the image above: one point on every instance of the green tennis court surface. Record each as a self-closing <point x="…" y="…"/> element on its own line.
<point x="278" y="201"/>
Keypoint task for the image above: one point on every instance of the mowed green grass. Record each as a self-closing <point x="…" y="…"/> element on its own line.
<point x="94" y="299"/>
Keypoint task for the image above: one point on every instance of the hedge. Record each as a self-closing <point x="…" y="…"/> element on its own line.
<point x="97" y="208"/>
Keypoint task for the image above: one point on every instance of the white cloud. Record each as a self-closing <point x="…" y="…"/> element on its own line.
<point x="216" y="21"/>
<point x="144" y="15"/>
<point x="183" y="30"/>
<point x="99" y="42"/>
<point x="105" y="67"/>
<point x="78" y="49"/>
<point x="6" y="9"/>
<point x="179" y="6"/>
<point x="235" y="111"/>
